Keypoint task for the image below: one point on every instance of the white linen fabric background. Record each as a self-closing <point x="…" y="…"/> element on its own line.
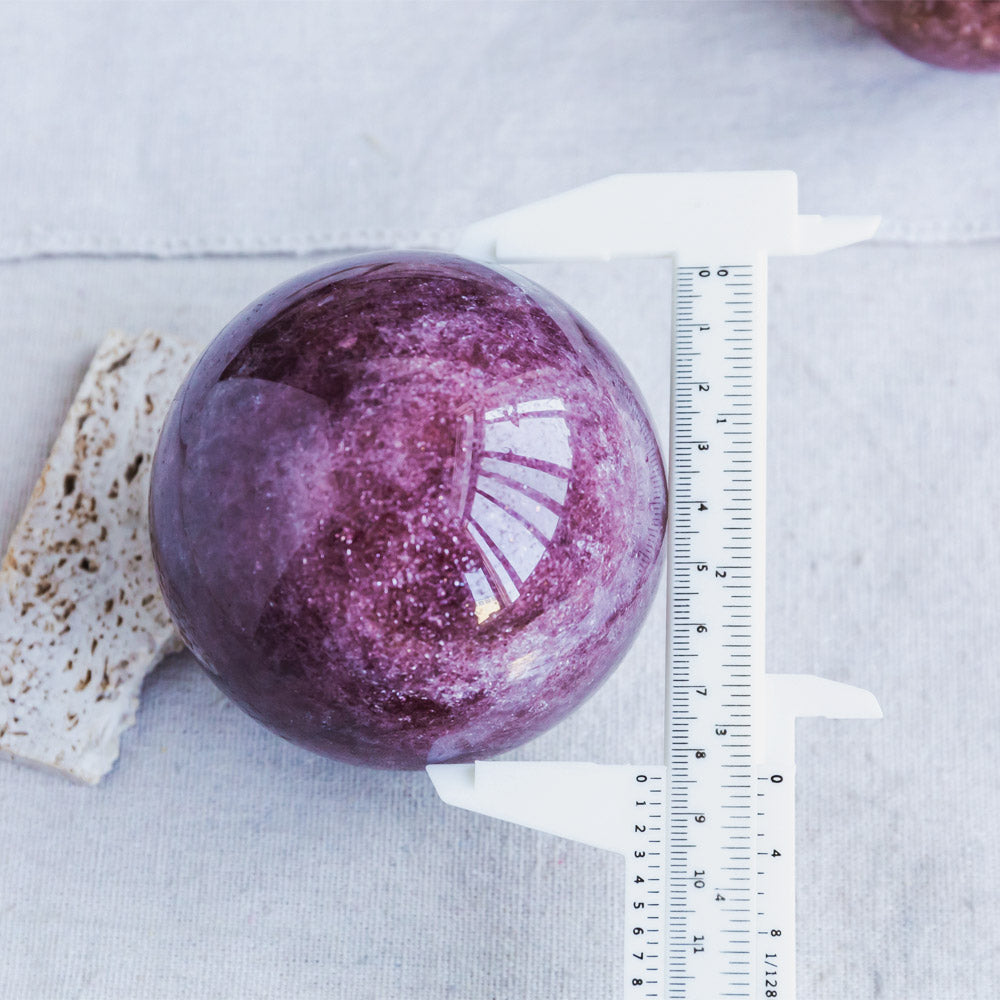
<point x="163" y="164"/>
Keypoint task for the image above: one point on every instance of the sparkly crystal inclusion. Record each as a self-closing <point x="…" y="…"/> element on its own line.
<point x="408" y="508"/>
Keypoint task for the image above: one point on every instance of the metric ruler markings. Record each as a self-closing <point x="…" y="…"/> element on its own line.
<point x="709" y="836"/>
<point x="715" y="625"/>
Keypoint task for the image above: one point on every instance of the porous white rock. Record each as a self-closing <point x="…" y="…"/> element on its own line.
<point x="82" y="621"/>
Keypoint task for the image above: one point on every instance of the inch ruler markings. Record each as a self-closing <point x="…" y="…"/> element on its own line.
<point x="648" y="903"/>
<point x="716" y="624"/>
<point x="708" y="837"/>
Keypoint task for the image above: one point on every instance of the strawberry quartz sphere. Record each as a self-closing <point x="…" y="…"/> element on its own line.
<point x="957" y="34"/>
<point x="408" y="509"/>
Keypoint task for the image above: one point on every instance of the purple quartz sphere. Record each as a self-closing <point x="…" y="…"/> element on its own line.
<point x="956" y="34"/>
<point x="408" y="509"/>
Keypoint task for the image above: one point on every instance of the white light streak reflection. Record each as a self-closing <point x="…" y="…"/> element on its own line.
<point x="511" y="508"/>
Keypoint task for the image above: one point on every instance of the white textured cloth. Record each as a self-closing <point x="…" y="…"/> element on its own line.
<point x="155" y="158"/>
<point x="188" y="128"/>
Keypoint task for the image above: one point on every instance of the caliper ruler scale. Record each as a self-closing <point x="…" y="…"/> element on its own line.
<point x="715" y="619"/>
<point x="708" y="836"/>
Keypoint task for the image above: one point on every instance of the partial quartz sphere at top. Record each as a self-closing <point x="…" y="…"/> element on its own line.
<point x="957" y="34"/>
<point x="408" y="509"/>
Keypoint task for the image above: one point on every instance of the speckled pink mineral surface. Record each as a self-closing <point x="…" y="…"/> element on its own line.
<point x="957" y="34"/>
<point x="407" y="508"/>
